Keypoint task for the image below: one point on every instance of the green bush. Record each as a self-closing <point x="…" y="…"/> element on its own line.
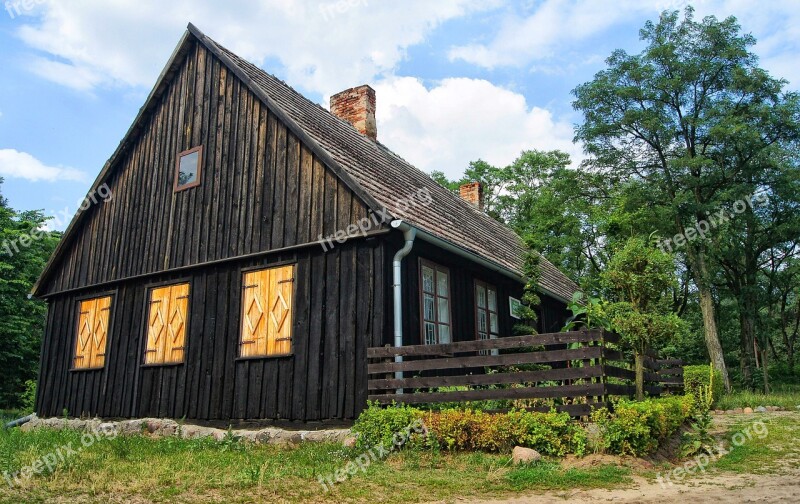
<point x="549" y="433"/>
<point x="695" y="377"/>
<point x="637" y="428"/>
<point x="378" y="425"/>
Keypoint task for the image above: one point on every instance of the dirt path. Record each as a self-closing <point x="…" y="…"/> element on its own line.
<point x="718" y="490"/>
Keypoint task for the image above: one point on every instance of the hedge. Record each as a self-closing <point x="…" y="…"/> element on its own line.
<point x="695" y="377"/>
<point x="632" y="428"/>
<point x="639" y="427"/>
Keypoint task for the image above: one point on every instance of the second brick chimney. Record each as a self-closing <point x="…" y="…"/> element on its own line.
<point x="357" y="106"/>
<point x="472" y="193"/>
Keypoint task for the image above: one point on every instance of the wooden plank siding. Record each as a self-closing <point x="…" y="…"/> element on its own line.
<point x="213" y="382"/>
<point x="257" y="191"/>
<point x="261" y="191"/>
<point x="264" y="200"/>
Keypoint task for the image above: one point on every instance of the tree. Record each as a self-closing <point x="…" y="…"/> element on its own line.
<point x="640" y="279"/>
<point x="688" y="117"/>
<point x="24" y="249"/>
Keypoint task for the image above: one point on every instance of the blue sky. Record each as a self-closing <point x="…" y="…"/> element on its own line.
<point x="456" y="80"/>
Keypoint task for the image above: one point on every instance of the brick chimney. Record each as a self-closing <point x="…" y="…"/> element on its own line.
<point x="472" y="193"/>
<point x="357" y="106"/>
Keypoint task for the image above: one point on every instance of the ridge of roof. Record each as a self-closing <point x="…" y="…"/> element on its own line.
<point x="359" y="162"/>
<point x="385" y="175"/>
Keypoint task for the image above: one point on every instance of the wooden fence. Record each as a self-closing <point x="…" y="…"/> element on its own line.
<point x="583" y="370"/>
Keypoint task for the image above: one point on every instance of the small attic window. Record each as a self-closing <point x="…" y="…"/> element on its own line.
<point x="187" y="171"/>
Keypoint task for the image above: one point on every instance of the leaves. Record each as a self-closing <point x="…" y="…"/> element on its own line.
<point x="21" y="320"/>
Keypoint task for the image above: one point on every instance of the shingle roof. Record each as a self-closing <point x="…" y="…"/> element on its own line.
<point x="385" y="176"/>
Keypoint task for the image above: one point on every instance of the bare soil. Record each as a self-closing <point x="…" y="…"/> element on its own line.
<point x="717" y="489"/>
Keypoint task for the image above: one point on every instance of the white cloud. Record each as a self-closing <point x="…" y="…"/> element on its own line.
<point x="461" y="120"/>
<point x="558" y="29"/>
<point x="15" y="164"/>
<point x="552" y="27"/>
<point x="324" y="46"/>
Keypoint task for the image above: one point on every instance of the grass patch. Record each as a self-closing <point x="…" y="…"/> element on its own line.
<point x="551" y="476"/>
<point x="138" y="468"/>
<point x="763" y="455"/>
<point x="785" y="396"/>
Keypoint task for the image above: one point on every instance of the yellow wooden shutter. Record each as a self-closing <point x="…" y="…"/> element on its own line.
<point x="90" y="347"/>
<point x="254" y="320"/>
<point x="166" y="328"/>
<point x="267" y="312"/>
<point x="280" y="310"/>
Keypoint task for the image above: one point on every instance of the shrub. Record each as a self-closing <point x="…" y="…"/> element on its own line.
<point x="549" y="433"/>
<point x="378" y="425"/>
<point x="637" y="428"/>
<point x="697" y="377"/>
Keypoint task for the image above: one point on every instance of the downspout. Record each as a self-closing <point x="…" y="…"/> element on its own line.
<point x="409" y="234"/>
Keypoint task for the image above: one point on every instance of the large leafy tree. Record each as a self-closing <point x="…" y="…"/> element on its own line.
<point x="689" y="116"/>
<point x="24" y="249"/>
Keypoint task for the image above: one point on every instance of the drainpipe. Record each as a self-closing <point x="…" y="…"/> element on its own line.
<point x="409" y="233"/>
<point x="20" y="421"/>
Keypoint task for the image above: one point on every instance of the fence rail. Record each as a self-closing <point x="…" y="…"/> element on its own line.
<point x="584" y="369"/>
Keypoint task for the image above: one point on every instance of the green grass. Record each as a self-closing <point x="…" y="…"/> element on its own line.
<point x="551" y="476"/>
<point x="774" y="449"/>
<point x="174" y="470"/>
<point x="785" y="396"/>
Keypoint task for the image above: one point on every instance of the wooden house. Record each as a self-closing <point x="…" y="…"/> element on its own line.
<point x="255" y="246"/>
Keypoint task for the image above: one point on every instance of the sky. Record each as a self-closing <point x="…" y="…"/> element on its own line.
<point x="456" y="80"/>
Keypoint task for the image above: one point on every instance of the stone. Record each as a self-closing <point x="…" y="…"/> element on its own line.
<point x="761" y="409"/>
<point x="748" y="411"/>
<point x="283" y="437"/>
<point x="196" y="431"/>
<point x="349" y="442"/>
<point x="34" y="423"/>
<point x="107" y="429"/>
<point x="522" y="455"/>
<point x="738" y="410"/>
<point x="130" y="427"/>
<point x="249" y="436"/>
<point x="719" y="412"/>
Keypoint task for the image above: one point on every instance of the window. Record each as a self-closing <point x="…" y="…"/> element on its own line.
<point x="435" y="300"/>
<point x="90" y="346"/>
<point x="166" y="324"/>
<point x="487" y="324"/>
<point x="187" y="171"/>
<point x="267" y="312"/>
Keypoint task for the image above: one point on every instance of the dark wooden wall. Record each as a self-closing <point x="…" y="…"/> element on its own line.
<point x="260" y="189"/>
<point x="339" y="300"/>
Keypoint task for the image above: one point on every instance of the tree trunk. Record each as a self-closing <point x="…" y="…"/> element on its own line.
<point x="766" y="370"/>
<point x="747" y="337"/>
<point x="701" y="276"/>
<point x="639" y="376"/>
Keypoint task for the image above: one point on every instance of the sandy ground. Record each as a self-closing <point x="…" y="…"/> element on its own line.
<point x="719" y="490"/>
